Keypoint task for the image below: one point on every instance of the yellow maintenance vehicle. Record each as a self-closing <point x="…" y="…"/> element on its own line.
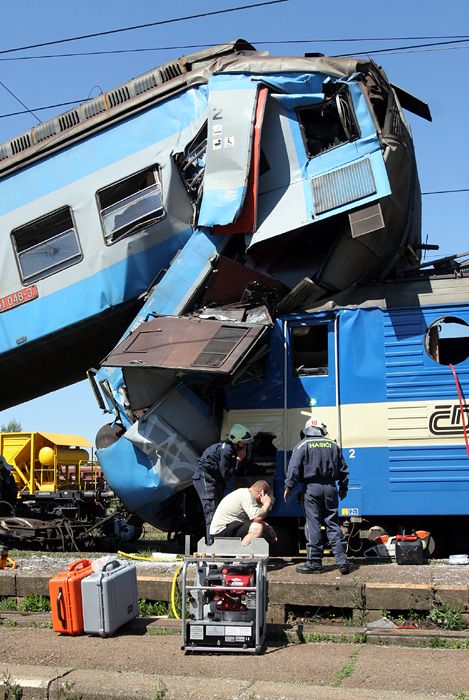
<point x="49" y="462"/>
<point x="62" y="499"/>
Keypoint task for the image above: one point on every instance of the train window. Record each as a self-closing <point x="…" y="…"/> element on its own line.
<point x="191" y="163"/>
<point x="46" y="245"/>
<point x="447" y="340"/>
<point x="130" y="205"/>
<point x="310" y="352"/>
<point x="328" y="124"/>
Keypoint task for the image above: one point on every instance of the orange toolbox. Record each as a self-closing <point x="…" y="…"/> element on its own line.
<point x="65" y="597"/>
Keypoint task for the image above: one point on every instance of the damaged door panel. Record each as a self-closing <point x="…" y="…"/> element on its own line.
<point x="412" y="103"/>
<point x="246" y="222"/>
<point x="189" y="344"/>
<point x="232" y="107"/>
<point x="231" y="281"/>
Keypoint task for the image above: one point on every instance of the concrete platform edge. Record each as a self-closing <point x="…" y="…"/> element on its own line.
<point x="49" y="683"/>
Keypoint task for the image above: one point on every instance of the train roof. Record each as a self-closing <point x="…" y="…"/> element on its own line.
<point x="153" y="86"/>
<point x="430" y="289"/>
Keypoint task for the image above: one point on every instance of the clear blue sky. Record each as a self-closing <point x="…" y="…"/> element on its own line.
<point x="436" y="74"/>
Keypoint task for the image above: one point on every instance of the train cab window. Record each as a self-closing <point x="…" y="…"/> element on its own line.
<point x="447" y="340"/>
<point x="328" y="124"/>
<point x="191" y="163"/>
<point x="130" y="205"/>
<point x="310" y="351"/>
<point x="46" y="245"/>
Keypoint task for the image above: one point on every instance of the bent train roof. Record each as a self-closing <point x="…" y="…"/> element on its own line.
<point x="429" y="291"/>
<point x="155" y="85"/>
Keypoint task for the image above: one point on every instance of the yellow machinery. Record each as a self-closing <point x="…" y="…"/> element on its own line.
<point x="62" y="501"/>
<point x="48" y="462"/>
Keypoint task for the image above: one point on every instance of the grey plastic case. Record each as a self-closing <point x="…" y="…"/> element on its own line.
<point x="110" y="598"/>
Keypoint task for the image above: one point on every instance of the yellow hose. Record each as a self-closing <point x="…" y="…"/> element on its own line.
<point x="175" y="577"/>
<point x="173" y="592"/>
<point x="155" y="559"/>
<point x="11" y="563"/>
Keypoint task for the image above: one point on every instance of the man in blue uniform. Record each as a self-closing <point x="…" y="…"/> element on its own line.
<point x="317" y="463"/>
<point x="217" y="464"/>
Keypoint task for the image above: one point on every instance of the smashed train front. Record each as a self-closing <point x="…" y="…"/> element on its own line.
<point x="303" y="182"/>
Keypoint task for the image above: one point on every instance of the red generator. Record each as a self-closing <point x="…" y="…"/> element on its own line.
<point x="227" y="602"/>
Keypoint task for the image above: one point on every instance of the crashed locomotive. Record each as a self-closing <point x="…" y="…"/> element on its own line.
<point x="224" y="230"/>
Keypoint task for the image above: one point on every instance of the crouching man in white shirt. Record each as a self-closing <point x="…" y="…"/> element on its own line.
<point x="241" y="514"/>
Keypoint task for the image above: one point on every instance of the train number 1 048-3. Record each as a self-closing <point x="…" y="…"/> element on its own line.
<point x="18" y="298"/>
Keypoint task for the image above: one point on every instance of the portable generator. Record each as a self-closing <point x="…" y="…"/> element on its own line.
<point x="225" y="608"/>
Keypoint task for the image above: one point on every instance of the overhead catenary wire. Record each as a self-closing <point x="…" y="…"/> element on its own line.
<point x="27" y="110"/>
<point x="38" y="109"/>
<point x="449" y="39"/>
<point x="145" y="25"/>
<point x="78" y="101"/>
<point x="455" y="191"/>
<point x="398" y="49"/>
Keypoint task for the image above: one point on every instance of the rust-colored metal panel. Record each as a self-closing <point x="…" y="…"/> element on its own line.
<point x="230" y="279"/>
<point x="193" y="344"/>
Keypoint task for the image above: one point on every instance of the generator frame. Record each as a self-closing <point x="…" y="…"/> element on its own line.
<point x="195" y="632"/>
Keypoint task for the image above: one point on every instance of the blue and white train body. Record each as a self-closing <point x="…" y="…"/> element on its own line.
<point x="208" y="213"/>
<point x="386" y="367"/>
<point x="387" y="370"/>
<point x="95" y="203"/>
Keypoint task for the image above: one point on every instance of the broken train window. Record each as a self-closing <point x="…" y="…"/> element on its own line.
<point x="328" y="124"/>
<point x="191" y="163"/>
<point x="46" y="245"/>
<point x="446" y="340"/>
<point x="131" y="204"/>
<point x="310" y="351"/>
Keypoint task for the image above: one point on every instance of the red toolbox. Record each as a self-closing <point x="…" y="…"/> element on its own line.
<point x="65" y="597"/>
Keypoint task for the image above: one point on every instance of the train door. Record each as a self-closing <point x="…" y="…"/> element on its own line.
<point x="310" y="375"/>
<point x="309" y="387"/>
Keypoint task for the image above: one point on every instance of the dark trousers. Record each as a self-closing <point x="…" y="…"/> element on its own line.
<point x="210" y="493"/>
<point x="321" y="504"/>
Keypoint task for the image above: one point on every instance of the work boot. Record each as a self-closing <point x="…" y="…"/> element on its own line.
<point x="345" y="568"/>
<point x="314" y="567"/>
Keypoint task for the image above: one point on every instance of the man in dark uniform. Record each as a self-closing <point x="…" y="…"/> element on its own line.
<point x="215" y="467"/>
<point x="317" y="462"/>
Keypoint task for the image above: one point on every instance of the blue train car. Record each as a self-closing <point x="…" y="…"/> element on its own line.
<point x="194" y="212"/>
<point x="304" y="165"/>
<point x="386" y="367"/>
<point x="387" y="370"/>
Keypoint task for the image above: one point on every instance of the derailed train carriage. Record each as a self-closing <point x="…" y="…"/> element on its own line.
<point x="309" y="158"/>
<point x="235" y="190"/>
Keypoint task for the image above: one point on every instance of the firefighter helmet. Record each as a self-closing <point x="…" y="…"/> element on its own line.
<point x="239" y="433"/>
<point x="315" y="422"/>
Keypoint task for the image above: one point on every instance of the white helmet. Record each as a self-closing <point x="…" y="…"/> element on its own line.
<point x="315" y="422"/>
<point x="239" y="433"/>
